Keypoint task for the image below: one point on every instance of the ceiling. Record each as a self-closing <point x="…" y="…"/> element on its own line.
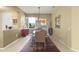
<point x="35" y="10"/>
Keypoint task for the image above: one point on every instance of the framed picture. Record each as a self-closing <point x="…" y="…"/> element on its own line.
<point x="58" y="21"/>
<point x="14" y="21"/>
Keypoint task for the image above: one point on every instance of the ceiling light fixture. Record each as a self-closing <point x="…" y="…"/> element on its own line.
<point x="38" y="21"/>
<point x="39" y="13"/>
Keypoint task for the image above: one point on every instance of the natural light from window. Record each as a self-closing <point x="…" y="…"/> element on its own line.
<point x="31" y="22"/>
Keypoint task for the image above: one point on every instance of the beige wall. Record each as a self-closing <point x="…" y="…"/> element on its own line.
<point x="8" y="36"/>
<point x="16" y="16"/>
<point x="0" y="21"/>
<point x="69" y="31"/>
<point x="1" y="39"/>
<point x="64" y="33"/>
<point x="19" y="16"/>
<point x="16" y="13"/>
<point x="75" y="28"/>
<point x="1" y="32"/>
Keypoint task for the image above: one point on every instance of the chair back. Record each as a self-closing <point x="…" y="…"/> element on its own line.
<point x="40" y="36"/>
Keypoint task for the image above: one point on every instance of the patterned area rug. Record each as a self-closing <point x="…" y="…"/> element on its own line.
<point x="33" y="46"/>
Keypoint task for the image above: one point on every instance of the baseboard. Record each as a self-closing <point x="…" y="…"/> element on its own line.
<point x="62" y="44"/>
<point x="70" y="48"/>
<point x="74" y="50"/>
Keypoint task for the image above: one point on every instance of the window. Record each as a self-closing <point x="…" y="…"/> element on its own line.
<point x="43" y="22"/>
<point x="32" y="22"/>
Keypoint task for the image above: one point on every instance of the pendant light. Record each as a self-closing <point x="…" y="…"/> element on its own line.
<point x="38" y="21"/>
<point x="39" y="13"/>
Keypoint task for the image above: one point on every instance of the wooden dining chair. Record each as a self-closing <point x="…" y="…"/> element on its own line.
<point x="40" y="40"/>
